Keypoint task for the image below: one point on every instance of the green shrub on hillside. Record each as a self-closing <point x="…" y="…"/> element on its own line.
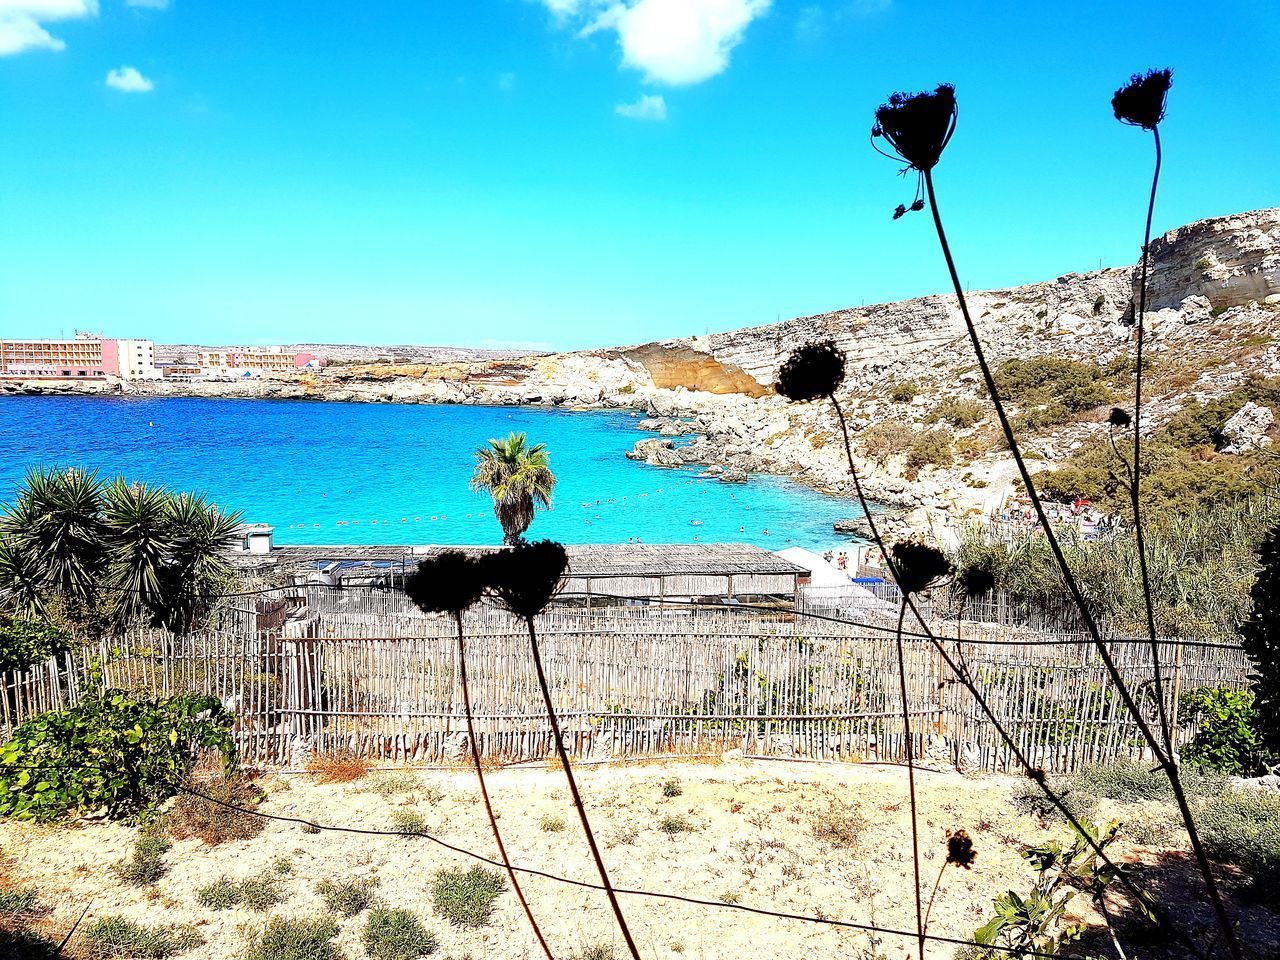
<point x="396" y="935"/>
<point x="930" y="448"/>
<point x="1051" y="390"/>
<point x="27" y="642"/>
<point x="112" y="752"/>
<point x="883" y="441"/>
<point x="903" y="391"/>
<point x="958" y="412"/>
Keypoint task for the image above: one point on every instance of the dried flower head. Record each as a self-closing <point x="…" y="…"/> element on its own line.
<point x="1119" y="418"/>
<point x="449" y="582"/>
<point x="813" y="371"/>
<point x="526" y="576"/>
<point x="960" y="849"/>
<point x="1141" y="101"/>
<point x="919" y="565"/>
<point x="976" y="580"/>
<point x="917" y="126"/>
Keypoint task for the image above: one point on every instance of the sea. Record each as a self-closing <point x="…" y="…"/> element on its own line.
<point x="382" y="473"/>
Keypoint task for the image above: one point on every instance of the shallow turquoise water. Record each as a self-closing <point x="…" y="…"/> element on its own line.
<point x="346" y="473"/>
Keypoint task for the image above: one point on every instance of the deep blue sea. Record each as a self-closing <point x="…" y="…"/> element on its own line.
<point x="347" y="473"/>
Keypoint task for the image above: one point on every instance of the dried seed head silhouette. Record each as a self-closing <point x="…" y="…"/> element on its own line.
<point x="976" y="581"/>
<point x="449" y="582"/>
<point x="917" y="126"/>
<point x="813" y="371"/>
<point x="1119" y="418"/>
<point x="919" y="565"/>
<point x="960" y="849"/>
<point x="1140" y="102"/>
<point x="526" y="576"/>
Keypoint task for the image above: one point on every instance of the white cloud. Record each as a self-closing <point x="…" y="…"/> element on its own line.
<point x="149" y="4"/>
<point x="22" y="22"/>
<point x="674" y="42"/>
<point x="129" y="80"/>
<point x="646" y="108"/>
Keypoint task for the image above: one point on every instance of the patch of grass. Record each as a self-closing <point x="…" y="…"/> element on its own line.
<point x="466" y="897"/>
<point x="597" y="951"/>
<point x="282" y="867"/>
<point x="212" y="820"/>
<point x="396" y="935"/>
<point x="1131" y="782"/>
<point x="675" y="824"/>
<point x="22" y="900"/>
<point x="903" y="391"/>
<point x="409" y="821"/>
<point x="1242" y="827"/>
<point x="1156" y="826"/>
<point x="112" y="937"/>
<point x="730" y="897"/>
<point x="672" y="788"/>
<point x="256" y="893"/>
<point x="338" y="766"/>
<point x="296" y="940"/>
<point x="389" y="784"/>
<point x="146" y="865"/>
<point x="625" y="838"/>
<point x="347" y="897"/>
<point x="552" y="824"/>
<point x="840" y="825"/>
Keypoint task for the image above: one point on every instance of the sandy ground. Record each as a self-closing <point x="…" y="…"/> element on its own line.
<point x="754" y="842"/>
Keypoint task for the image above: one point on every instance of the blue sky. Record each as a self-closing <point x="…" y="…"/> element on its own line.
<point x="582" y="172"/>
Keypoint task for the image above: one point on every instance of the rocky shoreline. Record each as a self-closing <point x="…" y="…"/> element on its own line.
<point x="708" y="401"/>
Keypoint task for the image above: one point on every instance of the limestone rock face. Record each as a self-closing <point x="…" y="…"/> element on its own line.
<point x="1247" y="430"/>
<point x="1228" y="260"/>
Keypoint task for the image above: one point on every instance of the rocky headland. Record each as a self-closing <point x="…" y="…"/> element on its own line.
<point x="1213" y="322"/>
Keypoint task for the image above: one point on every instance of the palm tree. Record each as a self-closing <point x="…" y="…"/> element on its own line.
<point x="519" y="479"/>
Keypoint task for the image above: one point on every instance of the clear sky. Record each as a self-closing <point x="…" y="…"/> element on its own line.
<point x="583" y="172"/>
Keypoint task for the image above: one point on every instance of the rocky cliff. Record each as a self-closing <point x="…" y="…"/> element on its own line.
<point x="1214" y="315"/>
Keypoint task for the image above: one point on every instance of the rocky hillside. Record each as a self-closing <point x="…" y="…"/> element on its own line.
<point x="1214" y="317"/>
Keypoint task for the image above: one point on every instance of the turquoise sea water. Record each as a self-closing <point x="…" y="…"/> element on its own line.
<point x="347" y="473"/>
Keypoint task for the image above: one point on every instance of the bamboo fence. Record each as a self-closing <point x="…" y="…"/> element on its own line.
<point x="361" y="671"/>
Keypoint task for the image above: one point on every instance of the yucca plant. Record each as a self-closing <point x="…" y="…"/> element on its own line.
<point x="56" y="522"/>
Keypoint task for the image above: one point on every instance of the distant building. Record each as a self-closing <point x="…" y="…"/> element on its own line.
<point x="254" y="361"/>
<point x="86" y="357"/>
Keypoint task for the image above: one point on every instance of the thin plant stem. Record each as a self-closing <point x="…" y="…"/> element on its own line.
<point x="962" y="674"/>
<point x="1135" y="484"/>
<point x="933" y="896"/>
<point x="1122" y="687"/>
<point x="577" y="797"/>
<point x="911" y="774"/>
<point x="484" y="791"/>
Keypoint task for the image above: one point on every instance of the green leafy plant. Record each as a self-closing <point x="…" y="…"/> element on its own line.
<point x="409" y="821"/>
<point x="116" y="937"/>
<point x="25" y="642"/>
<point x="466" y="897"/>
<point x="1036" y="923"/>
<point x="112" y="752"/>
<point x="347" y="897"/>
<point x="396" y="935"/>
<point x="675" y="824"/>
<point x="671" y="788"/>
<point x="1227" y="738"/>
<point x="20" y="900"/>
<point x="285" y="939"/>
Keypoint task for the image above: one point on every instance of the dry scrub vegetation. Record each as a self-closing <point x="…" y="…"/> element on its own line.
<point x="814" y="839"/>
